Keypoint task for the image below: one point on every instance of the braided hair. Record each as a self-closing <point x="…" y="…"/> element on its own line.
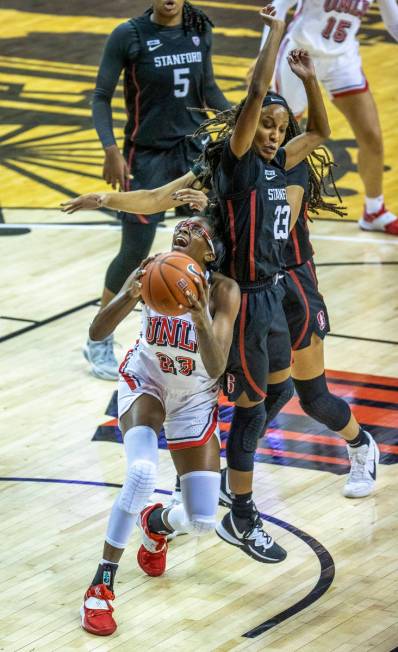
<point x="193" y="19"/>
<point x="320" y="165"/>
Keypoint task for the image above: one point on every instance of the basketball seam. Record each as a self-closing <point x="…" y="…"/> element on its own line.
<point x="180" y="270"/>
<point x="166" y="283"/>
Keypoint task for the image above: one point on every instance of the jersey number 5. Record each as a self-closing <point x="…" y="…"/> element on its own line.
<point x="181" y="82"/>
<point x="281" y="224"/>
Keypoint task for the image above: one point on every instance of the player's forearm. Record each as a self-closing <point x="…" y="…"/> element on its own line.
<point x="102" y="118"/>
<point x="212" y="354"/>
<point x="264" y="68"/>
<point x="282" y="7"/>
<point x="318" y="123"/>
<point x="111" y="315"/>
<point x="148" y="202"/>
<point x="389" y="14"/>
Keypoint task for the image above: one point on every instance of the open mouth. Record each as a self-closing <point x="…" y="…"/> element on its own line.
<point x="181" y="240"/>
<point x="170" y="4"/>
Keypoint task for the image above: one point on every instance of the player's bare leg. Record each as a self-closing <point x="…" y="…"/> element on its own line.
<point x="140" y="427"/>
<point x="361" y="112"/>
<point x="308" y="372"/>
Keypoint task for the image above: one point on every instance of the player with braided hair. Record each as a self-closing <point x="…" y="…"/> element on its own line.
<point x="248" y="170"/>
<point x="165" y="55"/>
<point x="308" y="322"/>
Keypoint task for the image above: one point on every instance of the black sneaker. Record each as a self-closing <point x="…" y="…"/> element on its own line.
<point x="248" y="534"/>
<point x="225" y="498"/>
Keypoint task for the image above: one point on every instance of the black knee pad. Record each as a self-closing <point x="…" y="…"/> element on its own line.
<point x="277" y="396"/>
<point x="246" y="429"/>
<point x="321" y="405"/>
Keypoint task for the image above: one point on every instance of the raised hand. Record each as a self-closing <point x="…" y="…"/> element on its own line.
<point x="301" y="64"/>
<point x="196" y="199"/>
<point x="84" y="202"/>
<point x="268" y="14"/>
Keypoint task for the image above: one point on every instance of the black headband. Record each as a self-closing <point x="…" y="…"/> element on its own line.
<point x="275" y="99"/>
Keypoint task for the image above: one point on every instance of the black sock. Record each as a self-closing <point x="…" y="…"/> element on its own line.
<point x="243" y="505"/>
<point x="359" y="440"/>
<point x="177" y="484"/>
<point x="156" y="523"/>
<point x="105" y="575"/>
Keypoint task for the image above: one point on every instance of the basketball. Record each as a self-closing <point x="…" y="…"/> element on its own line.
<point x="166" y="280"/>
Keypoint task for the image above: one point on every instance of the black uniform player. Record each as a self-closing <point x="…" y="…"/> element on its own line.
<point x="308" y="323"/>
<point x="166" y="58"/>
<point x="248" y="169"/>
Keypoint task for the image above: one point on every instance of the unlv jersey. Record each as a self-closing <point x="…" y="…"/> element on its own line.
<point x="167" y="77"/>
<point x="168" y="354"/>
<point x="327" y="27"/>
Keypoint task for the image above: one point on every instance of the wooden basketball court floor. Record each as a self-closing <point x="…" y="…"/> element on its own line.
<point x="61" y="463"/>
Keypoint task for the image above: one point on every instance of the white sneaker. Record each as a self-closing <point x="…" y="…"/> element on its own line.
<point x="362" y="476"/>
<point x="383" y="220"/>
<point x="102" y="359"/>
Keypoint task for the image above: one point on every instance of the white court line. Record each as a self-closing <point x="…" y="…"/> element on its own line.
<point x="347" y="238"/>
<point x="170" y="229"/>
<point x="60" y="227"/>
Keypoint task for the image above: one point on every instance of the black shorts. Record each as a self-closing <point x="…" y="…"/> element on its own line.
<point x="152" y="168"/>
<point x="304" y="307"/>
<point x="248" y="361"/>
<point x="279" y="344"/>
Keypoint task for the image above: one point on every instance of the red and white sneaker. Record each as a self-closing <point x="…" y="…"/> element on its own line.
<point x="383" y="220"/>
<point x="96" y="611"/>
<point x="151" y="556"/>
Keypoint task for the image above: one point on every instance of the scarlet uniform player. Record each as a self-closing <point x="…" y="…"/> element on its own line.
<point x="169" y="378"/>
<point x="327" y="29"/>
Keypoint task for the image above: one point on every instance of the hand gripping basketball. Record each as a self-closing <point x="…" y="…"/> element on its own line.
<point x="167" y="280"/>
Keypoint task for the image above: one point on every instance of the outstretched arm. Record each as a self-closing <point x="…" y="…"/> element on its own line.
<point x="141" y="201"/>
<point x="318" y="129"/>
<point x="245" y="128"/>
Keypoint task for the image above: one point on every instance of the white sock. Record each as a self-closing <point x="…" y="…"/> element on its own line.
<point x="374" y="204"/>
<point x="177" y="518"/>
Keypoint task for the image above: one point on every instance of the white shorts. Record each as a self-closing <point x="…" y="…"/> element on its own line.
<point x="191" y="419"/>
<point x="340" y="76"/>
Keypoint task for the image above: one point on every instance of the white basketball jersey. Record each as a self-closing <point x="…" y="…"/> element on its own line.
<point x="168" y="353"/>
<point x="327" y="27"/>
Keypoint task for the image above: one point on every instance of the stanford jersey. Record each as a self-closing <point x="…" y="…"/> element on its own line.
<point x="255" y="213"/>
<point x="298" y="248"/>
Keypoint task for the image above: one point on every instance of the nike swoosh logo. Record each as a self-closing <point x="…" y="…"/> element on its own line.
<point x="151" y="48"/>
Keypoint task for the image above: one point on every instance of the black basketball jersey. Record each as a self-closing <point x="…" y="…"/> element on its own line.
<point x="255" y="214"/>
<point x="298" y="247"/>
<point x="166" y="78"/>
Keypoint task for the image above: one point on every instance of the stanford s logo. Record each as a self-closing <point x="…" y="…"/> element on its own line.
<point x="196" y="40"/>
<point x="321" y="320"/>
